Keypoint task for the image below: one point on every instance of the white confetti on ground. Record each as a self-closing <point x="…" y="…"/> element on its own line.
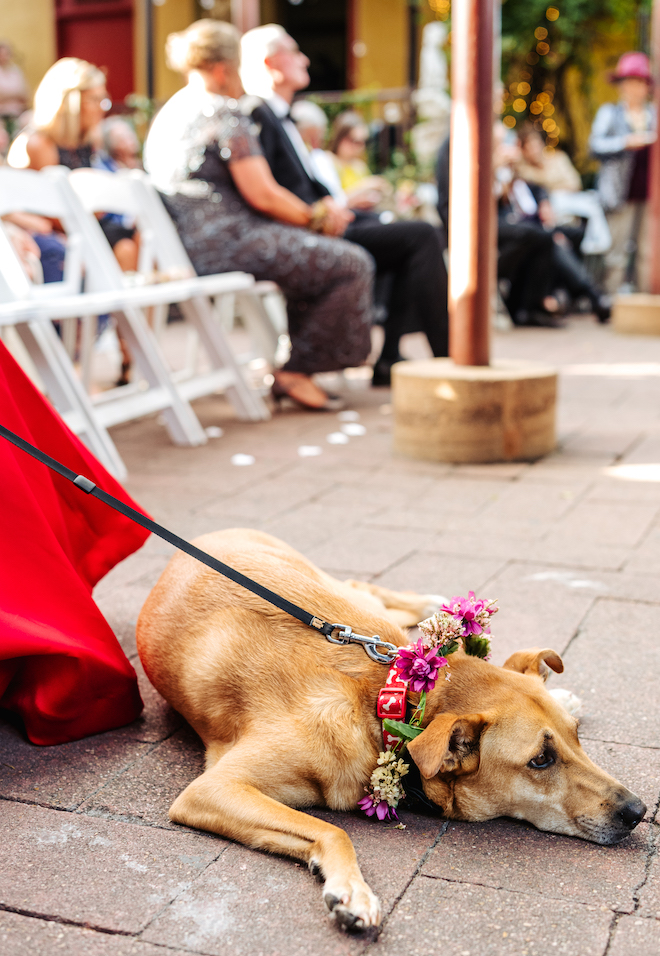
<point x="353" y="429"/>
<point x="309" y="451"/>
<point x="349" y="416"/>
<point x="214" y="432"/>
<point x="242" y="460"/>
<point x="337" y="438"/>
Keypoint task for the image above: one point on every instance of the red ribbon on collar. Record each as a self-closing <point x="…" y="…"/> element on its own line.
<point x="392" y="703"/>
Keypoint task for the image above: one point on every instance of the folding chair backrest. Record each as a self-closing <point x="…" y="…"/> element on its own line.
<point x="26" y="190"/>
<point x="169" y="251"/>
<point x="101" y="191"/>
<point x="102" y="272"/>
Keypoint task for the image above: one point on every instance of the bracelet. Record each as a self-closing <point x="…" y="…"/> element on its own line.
<point x="319" y="217"/>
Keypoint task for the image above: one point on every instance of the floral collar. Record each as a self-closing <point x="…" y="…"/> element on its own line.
<point x="462" y="621"/>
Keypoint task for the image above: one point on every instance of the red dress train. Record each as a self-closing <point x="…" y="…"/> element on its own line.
<point x="61" y="667"/>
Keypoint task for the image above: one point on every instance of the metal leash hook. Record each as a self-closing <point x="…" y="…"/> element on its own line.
<point x="346" y="636"/>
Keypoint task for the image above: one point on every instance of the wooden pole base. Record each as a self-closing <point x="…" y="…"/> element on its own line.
<point x="467" y="413"/>
<point x="636" y="314"/>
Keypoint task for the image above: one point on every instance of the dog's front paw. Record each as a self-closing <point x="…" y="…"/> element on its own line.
<point x="352" y="904"/>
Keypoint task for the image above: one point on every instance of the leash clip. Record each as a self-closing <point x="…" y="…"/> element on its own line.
<point x="345" y="635"/>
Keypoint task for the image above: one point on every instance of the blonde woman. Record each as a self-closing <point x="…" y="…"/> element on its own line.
<point x="69" y="104"/>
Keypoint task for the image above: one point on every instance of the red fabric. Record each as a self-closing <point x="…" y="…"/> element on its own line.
<point x="61" y="667"/>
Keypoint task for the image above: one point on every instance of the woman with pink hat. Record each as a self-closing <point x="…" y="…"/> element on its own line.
<point x="621" y="136"/>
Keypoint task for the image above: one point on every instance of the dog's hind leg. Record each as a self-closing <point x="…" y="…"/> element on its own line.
<point x="226" y="799"/>
<point x="405" y="608"/>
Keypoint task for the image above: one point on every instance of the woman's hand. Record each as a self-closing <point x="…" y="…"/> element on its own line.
<point x="639" y="140"/>
<point x="257" y="185"/>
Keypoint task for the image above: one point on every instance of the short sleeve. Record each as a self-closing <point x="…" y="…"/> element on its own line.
<point x="238" y="139"/>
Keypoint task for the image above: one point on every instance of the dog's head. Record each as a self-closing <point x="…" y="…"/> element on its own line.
<point x="502" y="746"/>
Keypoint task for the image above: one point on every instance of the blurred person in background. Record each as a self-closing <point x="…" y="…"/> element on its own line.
<point x="14" y="92"/>
<point x="552" y="169"/>
<point x="275" y="69"/>
<point x="120" y="147"/>
<point x="204" y="155"/>
<point x="69" y="105"/>
<point x="312" y="124"/>
<point x="535" y="259"/>
<point x="348" y="140"/>
<point x="621" y="137"/>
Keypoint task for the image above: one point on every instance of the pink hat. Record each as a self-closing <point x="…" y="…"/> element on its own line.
<point x="632" y="65"/>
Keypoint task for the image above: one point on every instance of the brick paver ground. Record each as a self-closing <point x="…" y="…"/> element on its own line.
<point x="89" y="862"/>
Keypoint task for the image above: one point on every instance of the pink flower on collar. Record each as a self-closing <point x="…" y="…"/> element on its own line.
<point x="473" y="614"/>
<point x="419" y="667"/>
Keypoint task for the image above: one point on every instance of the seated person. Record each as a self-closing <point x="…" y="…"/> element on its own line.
<point x="204" y="156"/>
<point x="552" y="169"/>
<point x="120" y="147"/>
<point x="348" y="139"/>
<point x="69" y="104"/>
<point x="534" y="257"/>
<point x="275" y="69"/>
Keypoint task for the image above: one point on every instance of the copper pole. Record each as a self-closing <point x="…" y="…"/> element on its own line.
<point x="471" y="203"/>
<point x="654" y="164"/>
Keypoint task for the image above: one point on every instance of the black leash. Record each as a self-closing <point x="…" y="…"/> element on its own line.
<point x="335" y="633"/>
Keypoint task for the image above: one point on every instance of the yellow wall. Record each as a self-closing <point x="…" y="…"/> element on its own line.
<point x="168" y="17"/>
<point x="30" y="28"/>
<point x="382" y="25"/>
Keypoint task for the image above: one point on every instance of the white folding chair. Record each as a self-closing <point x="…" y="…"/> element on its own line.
<point x="49" y="191"/>
<point x="262" y="307"/>
<point x="26" y="308"/>
<point x="132" y="196"/>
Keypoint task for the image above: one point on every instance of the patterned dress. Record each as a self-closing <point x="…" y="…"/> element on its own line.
<point x="327" y="282"/>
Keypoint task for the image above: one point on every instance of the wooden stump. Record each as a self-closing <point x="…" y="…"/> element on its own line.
<point x="636" y="314"/>
<point x="465" y="413"/>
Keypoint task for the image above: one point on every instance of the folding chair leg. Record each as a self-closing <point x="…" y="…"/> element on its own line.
<point x="247" y="402"/>
<point x="258" y="323"/>
<point x="182" y="423"/>
<point x="69" y="397"/>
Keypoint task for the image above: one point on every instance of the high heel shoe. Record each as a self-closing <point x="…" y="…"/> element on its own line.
<point x="124" y="378"/>
<point x="333" y="403"/>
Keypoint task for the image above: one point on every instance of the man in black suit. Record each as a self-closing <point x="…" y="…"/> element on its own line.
<point x="275" y="69"/>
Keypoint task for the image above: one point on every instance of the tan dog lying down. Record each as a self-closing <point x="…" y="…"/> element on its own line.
<point x="289" y="719"/>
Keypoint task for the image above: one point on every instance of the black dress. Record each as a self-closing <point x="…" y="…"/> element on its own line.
<point x="327" y="282"/>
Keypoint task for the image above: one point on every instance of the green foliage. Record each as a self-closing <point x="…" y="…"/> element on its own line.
<point x="571" y="34"/>
<point x="401" y="730"/>
<point x="476" y="646"/>
<point x="536" y="50"/>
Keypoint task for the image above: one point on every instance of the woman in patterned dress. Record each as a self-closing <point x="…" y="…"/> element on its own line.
<point x="204" y="156"/>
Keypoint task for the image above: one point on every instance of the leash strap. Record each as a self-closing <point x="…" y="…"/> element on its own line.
<point x="336" y="633"/>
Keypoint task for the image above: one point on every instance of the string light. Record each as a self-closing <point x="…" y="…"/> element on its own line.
<point x="552" y="14"/>
<point x="542" y="48"/>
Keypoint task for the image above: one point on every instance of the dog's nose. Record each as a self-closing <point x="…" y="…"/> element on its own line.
<point x="632" y="812"/>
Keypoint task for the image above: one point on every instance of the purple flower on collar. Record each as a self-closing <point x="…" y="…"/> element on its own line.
<point x="382" y="809"/>
<point x="473" y="614"/>
<point x="419" y="667"/>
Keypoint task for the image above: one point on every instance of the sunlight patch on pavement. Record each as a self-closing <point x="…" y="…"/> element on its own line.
<point x="649" y="471"/>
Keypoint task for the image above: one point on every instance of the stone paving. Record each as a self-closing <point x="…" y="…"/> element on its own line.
<point x="90" y="863"/>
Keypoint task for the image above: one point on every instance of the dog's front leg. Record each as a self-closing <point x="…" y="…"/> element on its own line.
<point x="227" y="800"/>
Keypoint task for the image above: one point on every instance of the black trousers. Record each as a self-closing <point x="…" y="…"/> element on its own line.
<point x="526" y="259"/>
<point x="535" y="265"/>
<point x="412" y="252"/>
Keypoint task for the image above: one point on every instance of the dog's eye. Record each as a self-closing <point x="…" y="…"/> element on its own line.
<point x="541" y="761"/>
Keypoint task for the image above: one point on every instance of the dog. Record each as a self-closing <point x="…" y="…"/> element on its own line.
<point x="289" y="721"/>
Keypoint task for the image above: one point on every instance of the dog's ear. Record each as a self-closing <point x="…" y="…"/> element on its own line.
<point x="536" y="662"/>
<point x="449" y="744"/>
